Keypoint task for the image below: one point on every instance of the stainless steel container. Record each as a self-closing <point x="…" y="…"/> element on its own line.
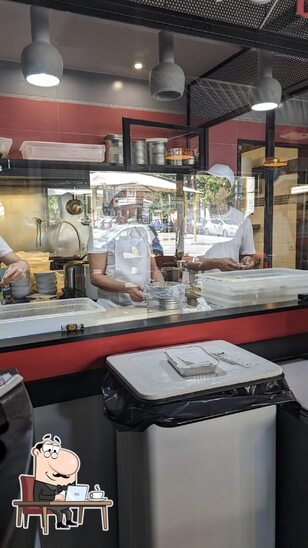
<point x="114" y="149"/>
<point x="169" y="304"/>
<point x="139" y="153"/>
<point x="75" y="278"/>
<point x="157" y="150"/>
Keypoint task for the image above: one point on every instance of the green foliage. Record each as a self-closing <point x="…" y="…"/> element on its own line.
<point x="53" y="208"/>
<point x="215" y="191"/>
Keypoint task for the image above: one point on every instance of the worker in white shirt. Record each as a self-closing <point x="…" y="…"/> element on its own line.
<point x="236" y="253"/>
<point x="17" y="268"/>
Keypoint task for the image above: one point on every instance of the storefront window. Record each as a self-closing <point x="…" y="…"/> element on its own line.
<point x="68" y="176"/>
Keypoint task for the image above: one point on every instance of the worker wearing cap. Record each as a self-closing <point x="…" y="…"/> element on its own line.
<point x="17" y="268"/>
<point x="238" y="252"/>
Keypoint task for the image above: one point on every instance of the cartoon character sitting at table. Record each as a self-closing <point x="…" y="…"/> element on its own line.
<point x="55" y="469"/>
<point x="54" y="485"/>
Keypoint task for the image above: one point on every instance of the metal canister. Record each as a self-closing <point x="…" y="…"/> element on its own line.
<point x="114" y="149"/>
<point x="175" y="156"/>
<point x="139" y="153"/>
<point x="157" y="149"/>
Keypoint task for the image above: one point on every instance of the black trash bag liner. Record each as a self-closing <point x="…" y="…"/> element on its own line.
<point x="131" y="413"/>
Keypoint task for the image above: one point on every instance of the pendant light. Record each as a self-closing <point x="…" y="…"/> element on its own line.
<point x="41" y="62"/>
<point x="167" y="79"/>
<point x="267" y="93"/>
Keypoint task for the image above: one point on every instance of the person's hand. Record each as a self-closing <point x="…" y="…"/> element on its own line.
<point x="195" y="264"/>
<point x="13" y="272"/>
<point x="226" y="265"/>
<point x="247" y="262"/>
<point x="60" y="497"/>
<point x="136" y="293"/>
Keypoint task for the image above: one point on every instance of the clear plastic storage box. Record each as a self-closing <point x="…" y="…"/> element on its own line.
<point x="41" y="150"/>
<point x="249" y="287"/>
<point x="17" y="320"/>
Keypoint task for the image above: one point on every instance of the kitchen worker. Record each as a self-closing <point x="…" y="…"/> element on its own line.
<point x="17" y="268"/>
<point x="121" y="265"/>
<point x="236" y="253"/>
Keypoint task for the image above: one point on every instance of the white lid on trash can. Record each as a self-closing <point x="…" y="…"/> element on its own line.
<point x="150" y="376"/>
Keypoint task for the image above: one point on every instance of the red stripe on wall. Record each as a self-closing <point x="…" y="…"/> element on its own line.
<point x="68" y="358"/>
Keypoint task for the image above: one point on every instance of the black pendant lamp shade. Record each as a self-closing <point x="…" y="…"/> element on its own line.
<point x="41" y="62"/>
<point x="167" y="80"/>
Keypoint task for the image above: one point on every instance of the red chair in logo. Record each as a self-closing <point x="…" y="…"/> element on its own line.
<point x="23" y="512"/>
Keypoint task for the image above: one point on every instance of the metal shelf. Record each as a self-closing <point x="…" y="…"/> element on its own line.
<point x="77" y="172"/>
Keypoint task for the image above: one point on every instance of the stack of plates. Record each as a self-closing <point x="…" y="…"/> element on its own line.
<point x="21" y="288"/>
<point x="46" y="283"/>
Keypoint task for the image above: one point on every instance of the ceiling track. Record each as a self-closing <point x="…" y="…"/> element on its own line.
<point x="128" y="12"/>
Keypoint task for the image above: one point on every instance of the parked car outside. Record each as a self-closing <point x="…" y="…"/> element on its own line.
<point x="219" y="227"/>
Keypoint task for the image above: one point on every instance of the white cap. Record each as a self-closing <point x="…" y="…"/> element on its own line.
<point x="220" y="170"/>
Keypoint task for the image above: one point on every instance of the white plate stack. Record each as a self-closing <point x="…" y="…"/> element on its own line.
<point x="21" y="288"/>
<point x="46" y="283"/>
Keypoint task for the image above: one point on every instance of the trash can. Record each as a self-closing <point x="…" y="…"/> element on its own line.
<point x="16" y="439"/>
<point x="292" y="459"/>
<point x="195" y="452"/>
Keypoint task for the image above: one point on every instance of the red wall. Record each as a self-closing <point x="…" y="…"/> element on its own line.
<point x="40" y="120"/>
<point x="223" y="139"/>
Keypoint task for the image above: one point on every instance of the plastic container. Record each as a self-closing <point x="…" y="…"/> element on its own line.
<point x="41" y="150"/>
<point x="250" y="287"/>
<point x="33" y="318"/>
<point x="5" y="146"/>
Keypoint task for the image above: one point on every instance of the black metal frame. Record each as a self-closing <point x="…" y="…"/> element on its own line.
<point x="127" y="12"/>
<point x="128" y="166"/>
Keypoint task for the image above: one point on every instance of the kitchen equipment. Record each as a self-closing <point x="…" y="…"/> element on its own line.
<point x="74" y="206"/>
<point x="114" y="149"/>
<point x="250" y="287"/>
<point x="74" y="279"/>
<point x="195" y="454"/>
<point x="165" y="296"/>
<point x="46" y="283"/>
<point x="174" y="156"/>
<point x="33" y="318"/>
<point x="171" y="274"/>
<point x="157" y="151"/>
<point x="78" y="152"/>
<point x="139" y="152"/>
<point x="21" y="288"/>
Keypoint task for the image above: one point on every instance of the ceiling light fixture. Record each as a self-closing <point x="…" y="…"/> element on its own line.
<point x="138" y="65"/>
<point x="41" y="62"/>
<point x="267" y="93"/>
<point x="167" y="80"/>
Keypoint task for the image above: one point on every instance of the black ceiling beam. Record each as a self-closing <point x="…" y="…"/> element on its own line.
<point x="129" y="12"/>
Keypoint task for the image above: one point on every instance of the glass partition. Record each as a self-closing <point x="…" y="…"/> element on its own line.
<point x="71" y="193"/>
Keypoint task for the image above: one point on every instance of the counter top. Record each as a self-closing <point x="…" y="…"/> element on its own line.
<point x="111" y="325"/>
